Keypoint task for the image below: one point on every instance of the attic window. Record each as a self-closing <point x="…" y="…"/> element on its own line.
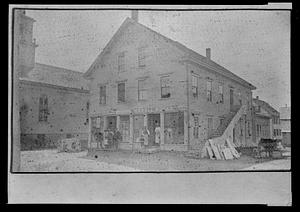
<point x="165" y="87"/>
<point x="142" y="56"/>
<point x="121" y="62"/>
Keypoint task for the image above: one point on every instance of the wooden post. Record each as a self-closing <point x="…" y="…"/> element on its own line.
<point x="186" y="127"/>
<point x="118" y="122"/>
<point x="162" y="127"/>
<point x="90" y="133"/>
<point x="131" y="128"/>
<point x="146" y="120"/>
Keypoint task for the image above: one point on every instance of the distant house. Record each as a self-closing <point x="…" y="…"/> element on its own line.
<point x="285" y="122"/>
<point x="53" y="100"/>
<point x="267" y="122"/>
<point x="143" y="78"/>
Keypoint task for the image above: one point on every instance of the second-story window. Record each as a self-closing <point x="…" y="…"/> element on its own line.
<point x="195" y="86"/>
<point x="221" y="95"/>
<point x="43" y="108"/>
<point x="240" y="98"/>
<point x="102" y="95"/>
<point x="142" y="92"/>
<point x="142" y="56"/>
<point x="121" y="92"/>
<point x="165" y="87"/>
<point x="209" y="91"/>
<point x="121" y="62"/>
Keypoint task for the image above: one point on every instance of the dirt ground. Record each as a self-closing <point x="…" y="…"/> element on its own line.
<point x="51" y="161"/>
<point x="173" y="161"/>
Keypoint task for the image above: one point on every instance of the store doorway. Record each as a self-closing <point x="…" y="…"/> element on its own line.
<point x="153" y="122"/>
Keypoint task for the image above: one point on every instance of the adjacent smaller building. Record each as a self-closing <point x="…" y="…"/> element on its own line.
<point x="267" y="120"/>
<point x="285" y="123"/>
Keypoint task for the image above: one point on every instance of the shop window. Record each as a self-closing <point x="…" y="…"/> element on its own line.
<point x="124" y="128"/>
<point x="165" y="87"/>
<point x="121" y="92"/>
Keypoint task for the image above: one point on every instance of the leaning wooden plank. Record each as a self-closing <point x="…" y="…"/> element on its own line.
<point x="227" y="154"/>
<point x="220" y="151"/>
<point x="215" y="150"/>
<point x="232" y="149"/>
<point x="210" y="153"/>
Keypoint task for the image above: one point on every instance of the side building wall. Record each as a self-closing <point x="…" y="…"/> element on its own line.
<point x="202" y="110"/>
<point x="67" y="115"/>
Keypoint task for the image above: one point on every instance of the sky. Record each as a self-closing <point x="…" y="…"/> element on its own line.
<point x="255" y="45"/>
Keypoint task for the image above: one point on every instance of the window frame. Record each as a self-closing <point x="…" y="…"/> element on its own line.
<point x="209" y="91"/>
<point x="195" y="79"/>
<point x="121" y="62"/>
<point x="167" y="86"/>
<point x="119" y="100"/>
<point x="221" y="94"/>
<point x="142" y="56"/>
<point x="43" y="108"/>
<point x="196" y="127"/>
<point x="102" y="101"/>
<point x="141" y="90"/>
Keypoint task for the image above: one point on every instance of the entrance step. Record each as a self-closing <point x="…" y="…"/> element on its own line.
<point x="149" y="150"/>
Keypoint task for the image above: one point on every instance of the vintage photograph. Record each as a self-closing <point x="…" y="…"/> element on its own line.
<point x="140" y="90"/>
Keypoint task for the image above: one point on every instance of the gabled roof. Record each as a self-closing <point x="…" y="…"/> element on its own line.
<point x="266" y="106"/>
<point x="180" y="46"/>
<point x="56" y="76"/>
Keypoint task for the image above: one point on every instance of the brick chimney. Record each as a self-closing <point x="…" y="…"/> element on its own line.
<point x="208" y="53"/>
<point x="135" y="15"/>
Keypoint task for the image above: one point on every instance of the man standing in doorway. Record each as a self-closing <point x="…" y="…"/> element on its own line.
<point x="157" y="133"/>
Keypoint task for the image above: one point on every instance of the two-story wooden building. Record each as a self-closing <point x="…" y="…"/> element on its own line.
<point x="143" y="78"/>
<point x="53" y="101"/>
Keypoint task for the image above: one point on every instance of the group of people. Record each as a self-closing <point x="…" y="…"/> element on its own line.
<point x="112" y="138"/>
<point x="108" y="139"/>
<point x="146" y="133"/>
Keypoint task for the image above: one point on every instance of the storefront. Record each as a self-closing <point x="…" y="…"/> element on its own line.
<point x="170" y="123"/>
<point x="174" y="128"/>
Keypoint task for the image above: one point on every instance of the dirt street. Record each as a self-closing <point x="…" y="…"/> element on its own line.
<point x="51" y="161"/>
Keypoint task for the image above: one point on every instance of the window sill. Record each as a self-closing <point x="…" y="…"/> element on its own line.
<point x="169" y="98"/>
<point x="120" y="103"/>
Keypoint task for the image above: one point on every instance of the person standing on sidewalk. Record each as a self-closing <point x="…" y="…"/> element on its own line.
<point x="146" y="134"/>
<point x="157" y="134"/>
<point x="117" y="137"/>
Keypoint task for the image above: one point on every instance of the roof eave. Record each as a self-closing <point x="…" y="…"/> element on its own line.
<point x="200" y="63"/>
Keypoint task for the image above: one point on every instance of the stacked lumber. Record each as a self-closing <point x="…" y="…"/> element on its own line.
<point x="219" y="150"/>
<point x="69" y="145"/>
